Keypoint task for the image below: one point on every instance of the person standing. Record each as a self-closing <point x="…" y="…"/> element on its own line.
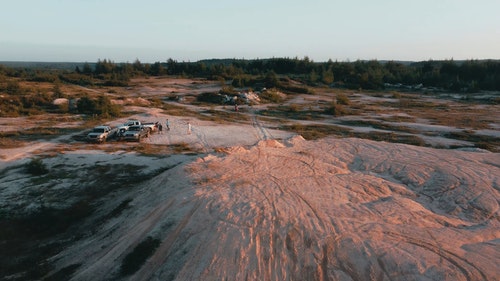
<point x="160" y="128"/>
<point x="189" y="128"/>
<point x="168" y="125"/>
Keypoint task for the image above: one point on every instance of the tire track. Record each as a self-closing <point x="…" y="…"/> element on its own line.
<point x="261" y="131"/>
<point x="461" y="263"/>
<point x="303" y="199"/>
<point x="299" y="198"/>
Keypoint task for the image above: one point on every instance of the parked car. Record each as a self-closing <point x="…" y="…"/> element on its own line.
<point x="152" y="126"/>
<point x="100" y="134"/>
<point x="132" y="122"/>
<point x="121" y="129"/>
<point x="136" y="133"/>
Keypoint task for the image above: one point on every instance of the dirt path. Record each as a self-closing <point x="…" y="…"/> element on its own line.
<point x="261" y="131"/>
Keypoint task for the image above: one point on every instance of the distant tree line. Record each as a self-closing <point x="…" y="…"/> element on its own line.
<point x="469" y="75"/>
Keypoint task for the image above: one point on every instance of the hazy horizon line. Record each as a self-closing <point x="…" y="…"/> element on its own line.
<point x="248" y="59"/>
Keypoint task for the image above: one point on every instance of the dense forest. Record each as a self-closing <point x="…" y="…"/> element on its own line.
<point x="449" y="75"/>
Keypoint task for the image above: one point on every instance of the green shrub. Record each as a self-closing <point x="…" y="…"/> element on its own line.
<point x="336" y="110"/>
<point x="271" y="96"/>
<point x="294" y="108"/>
<point x="210" y="97"/>
<point x="313" y="132"/>
<point x="102" y="106"/>
<point x="343" y="99"/>
<point x="227" y="90"/>
<point x="396" y="95"/>
<point x="36" y="167"/>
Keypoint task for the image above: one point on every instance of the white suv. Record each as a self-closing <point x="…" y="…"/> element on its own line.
<point x="99" y="134"/>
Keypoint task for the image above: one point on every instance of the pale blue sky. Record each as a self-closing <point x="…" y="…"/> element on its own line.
<point x="190" y="30"/>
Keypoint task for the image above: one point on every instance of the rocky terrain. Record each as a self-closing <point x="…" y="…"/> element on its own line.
<point x="249" y="200"/>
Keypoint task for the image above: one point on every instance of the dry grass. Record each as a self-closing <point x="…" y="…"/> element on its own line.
<point x="398" y="118"/>
<point x="481" y="141"/>
<point x="45" y="133"/>
<point x="297" y="112"/>
<point x="223" y="116"/>
<point x="463" y="118"/>
<point x="386" y="106"/>
<point x="7" y="142"/>
<point x="313" y="132"/>
<point x="178" y="110"/>
<point x="150" y="149"/>
<point x="379" y="125"/>
<point x="182" y="148"/>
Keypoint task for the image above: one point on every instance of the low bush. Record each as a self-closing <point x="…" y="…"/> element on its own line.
<point x="36" y="167"/>
<point x="343" y="99"/>
<point x="296" y="89"/>
<point x="272" y="96"/>
<point x="210" y="97"/>
<point x="336" y="109"/>
<point x="313" y="132"/>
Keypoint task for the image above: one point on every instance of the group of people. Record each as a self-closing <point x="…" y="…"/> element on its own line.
<point x="160" y="126"/>
<point x="167" y="124"/>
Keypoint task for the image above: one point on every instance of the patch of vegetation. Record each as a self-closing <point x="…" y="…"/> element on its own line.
<point x="23" y="101"/>
<point x="396" y="95"/>
<point x="291" y="112"/>
<point x="36" y="167"/>
<point x="464" y="119"/>
<point x="313" y="132"/>
<point x="420" y="104"/>
<point x="210" y="97"/>
<point x="178" y="110"/>
<point x="391" y="137"/>
<point x="481" y="141"/>
<point x="37" y="133"/>
<point x="101" y="106"/>
<point x="6" y="142"/>
<point x="342" y="99"/>
<point x="134" y="260"/>
<point x="272" y="96"/>
<point x="40" y="133"/>
<point x="336" y="109"/>
<point x="378" y="125"/>
<point x="181" y="147"/>
<point x="123" y="175"/>
<point x="148" y="149"/>
<point x="295" y="89"/>
<point x="398" y="118"/>
<point x="221" y="116"/>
